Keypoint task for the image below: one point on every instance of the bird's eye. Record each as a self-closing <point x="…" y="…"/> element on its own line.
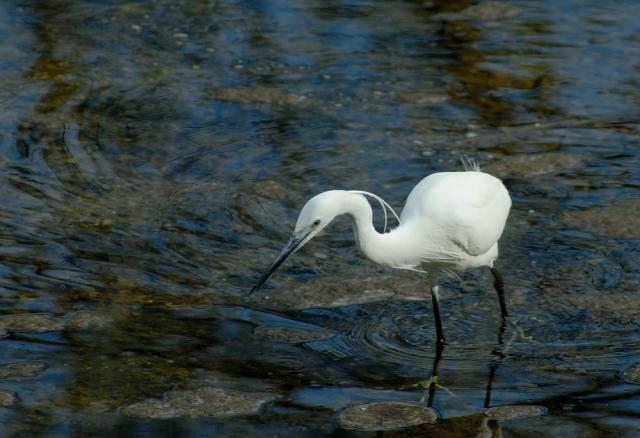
<point x="316" y="222"/>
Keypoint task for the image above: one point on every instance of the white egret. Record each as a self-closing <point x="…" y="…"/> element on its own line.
<point x="451" y="222"/>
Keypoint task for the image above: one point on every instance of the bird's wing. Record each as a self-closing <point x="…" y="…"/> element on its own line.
<point x="468" y="209"/>
<point x="476" y="225"/>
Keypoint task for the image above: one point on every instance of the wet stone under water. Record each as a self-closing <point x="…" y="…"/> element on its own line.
<point x="22" y="370"/>
<point x="620" y="219"/>
<point x="531" y="165"/>
<point x="7" y="398"/>
<point x="37" y="323"/>
<point x="385" y="416"/>
<point x="515" y="412"/>
<point x="291" y="335"/>
<point x="201" y="402"/>
<point x="632" y="374"/>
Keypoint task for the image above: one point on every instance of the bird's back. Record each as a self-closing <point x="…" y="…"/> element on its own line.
<point x="466" y="209"/>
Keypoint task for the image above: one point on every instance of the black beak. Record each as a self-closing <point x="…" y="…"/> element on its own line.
<point x="292" y="245"/>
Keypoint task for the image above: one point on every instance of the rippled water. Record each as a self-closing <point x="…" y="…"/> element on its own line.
<point x="153" y="158"/>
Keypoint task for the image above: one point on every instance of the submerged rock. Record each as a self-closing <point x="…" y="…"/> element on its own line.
<point x="86" y="320"/>
<point x="515" y="412"/>
<point x="421" y="98"/>
<point x="327" y="292"/>
<point x="257" y="95"/>
<point x="385" y="416"/>
<point x="291" y="335"/>
<point x="528" y="165"/>
<point x="484" y="11"/>
<point x="7" y="398"/>
<point x="22" y="370"/>
<point x="31" y="322"/>
<point x="201" y="402"/>
<point x="632" y="374"/>
<point x="269" y="189"/>
<point x="620" y="219"/>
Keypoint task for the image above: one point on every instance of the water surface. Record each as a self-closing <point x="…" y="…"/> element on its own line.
<point x="154" y="156"/>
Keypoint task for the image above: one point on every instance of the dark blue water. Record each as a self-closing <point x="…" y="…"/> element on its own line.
<point x="154" y="156"/>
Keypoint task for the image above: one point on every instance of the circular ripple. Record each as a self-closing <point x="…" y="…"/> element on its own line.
<point x="404" y="343"/>
<point x="378" y="341"/>
<point x="408" y="343"/>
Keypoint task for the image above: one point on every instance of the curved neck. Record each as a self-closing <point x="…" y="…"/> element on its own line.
<point x="380" y="248"/>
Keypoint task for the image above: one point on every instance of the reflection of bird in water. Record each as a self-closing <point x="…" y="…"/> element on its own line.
<point x="451" y="222"/>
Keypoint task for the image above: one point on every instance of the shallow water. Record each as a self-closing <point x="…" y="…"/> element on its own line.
<point x="153" y="158"/>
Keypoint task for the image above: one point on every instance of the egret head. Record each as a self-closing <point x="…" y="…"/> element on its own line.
<point x="316" y="214"/>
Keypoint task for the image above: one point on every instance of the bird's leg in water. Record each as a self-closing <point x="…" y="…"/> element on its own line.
<point x="494" y="364"/>
<point x="498" y="284"/>
<point x="436" y="314"/>
<point x="431" y="384"/>
<point x="434" y="374"/>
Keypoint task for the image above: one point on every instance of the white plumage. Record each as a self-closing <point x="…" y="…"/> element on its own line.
<point x="451" y="221"/>
<point x="460" y="214"/>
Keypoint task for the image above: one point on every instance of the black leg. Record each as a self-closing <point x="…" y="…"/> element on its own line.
<point x="498" y="284"/>
<point x="436" y="315"/>
<point x="494" y="364"/>
<point x="435" y="372"/>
